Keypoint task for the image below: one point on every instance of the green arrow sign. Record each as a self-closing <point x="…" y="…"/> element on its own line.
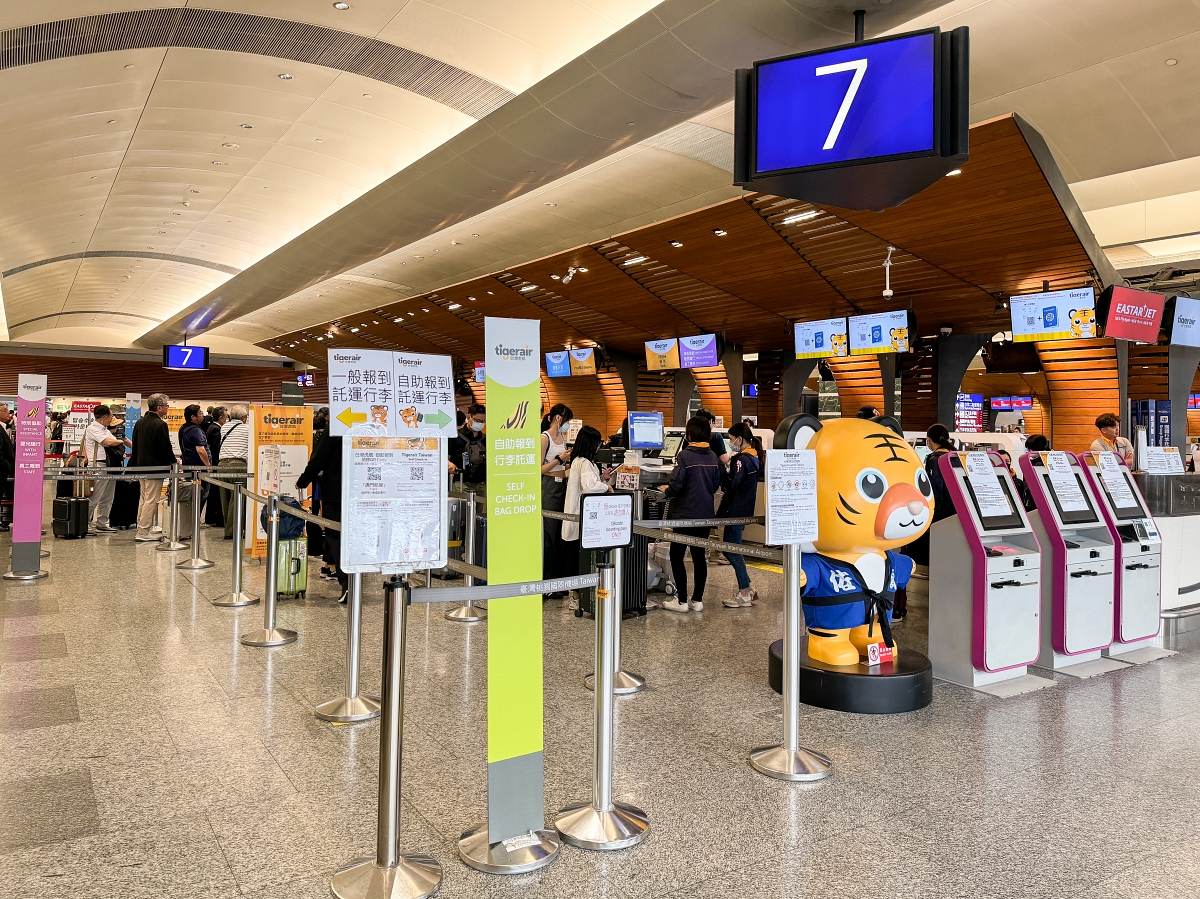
<point x="438" y="419"/>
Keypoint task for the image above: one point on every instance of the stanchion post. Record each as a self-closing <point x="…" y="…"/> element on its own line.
<point x="624" y="682"/>
<point x="270" y="635"/>
<point x="351" y="707"/>
<point x="173" y="544"/>
<point x="195" y="563"/>
<point x="602" y="823"/>
<point x="387" y="873"/>
<point x="235" y="598"/>
<point x="789" y="760"/>
<point x="468" y="613"/>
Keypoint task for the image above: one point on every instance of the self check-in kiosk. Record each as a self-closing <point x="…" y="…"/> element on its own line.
<point x="1078" y="561"/>
<point x="984" y="577"/>
<point x="1137" y="592"/>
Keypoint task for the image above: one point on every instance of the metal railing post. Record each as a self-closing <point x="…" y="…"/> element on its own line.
<point x="270" y="635"/>
<point x="789" y="760"/>
<point x="351" y="707"/>
<point x="468" y="613"/>
<point x="173" y="543"/>
<point x="195" y="563"/>
<point x="603" y="823"/>
<point x="387" y="873"/>
<point x="235" y="598"/>
<point x="623" y="681"/>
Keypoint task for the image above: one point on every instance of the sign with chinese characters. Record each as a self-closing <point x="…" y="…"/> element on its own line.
<point x="30" y="450"/>
<point x="281" y="444"/>
<point x="605" y="520"/>
<point x="662" y="355"/>
<point x="1161" y="460"/>
<point x="398" y="392"/>
<point x="393" y="502"/>
<point x="791" y="494"/>
<point x="698" y="352"/>
<point x="968" y="413"/>
<point x="583" y="361"/>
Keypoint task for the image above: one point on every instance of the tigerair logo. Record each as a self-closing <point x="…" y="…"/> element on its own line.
<point x="513" y="354"/>
<point x="276" y="421"/>
<point x="516" y="421"/>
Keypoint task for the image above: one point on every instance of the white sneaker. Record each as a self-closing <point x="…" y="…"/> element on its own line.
<point x="674" y="605"/>
<point x="146" y="538"/>
<point x="105" y="529"/>
<point x="734" y="601"/>
<point x="156" y="530"/>
<point x="697" y="607"/>
<point x="573" y="603"/>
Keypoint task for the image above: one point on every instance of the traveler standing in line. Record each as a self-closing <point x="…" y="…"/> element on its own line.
<point x="152" y="448"/>
<point x="469" y="450"/>
<point x="213" y="516"/>
<point x="235" y="450"/>
<point x="583" y="479"/>
<point x="193" y="445"/>
<point x="96" y="441"/>
<point x="8" y="459"/>
<point x="1110" y="439"/>
<point x="740" y="484"/>
<point x="55" y="447"/>
<point x="693" y="485"/>
<point x="326" y="464"/>
<point x="555" y="455"/>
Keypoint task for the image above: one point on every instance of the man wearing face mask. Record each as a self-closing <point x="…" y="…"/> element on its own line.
<point x="468" y="451"/>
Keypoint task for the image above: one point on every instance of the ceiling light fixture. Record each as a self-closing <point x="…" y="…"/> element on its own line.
<point x="367" y="96"/>
<point x="675" y="243"/>
<point x="1172" y="62"/>
<point x="413" y="314"/>
<point x="354" y="330"/>
<point x="231" y="146"/>
<point x="217" y="162"/>
<point x="247" y="127"/>
<point x="194" y="190"/>
<point x="341" y="5"/>
<point x="397" y="320"/>
<point x="800" y="217"/>
<point x="474" y="235"/>
<point x="454" y="306"/>
<point x="581" y="270"/>
<point x="284" y="76"/>
<point x="549" y="204"/>
<point x="555" y="277"/>
<point x="635" y="260"/>
<point x="112" y="121"/>
<point x="472" y="299"/>
<point x="954" y="172"/>
<point x="528" y="287"/>
<point x="719" y="232"/>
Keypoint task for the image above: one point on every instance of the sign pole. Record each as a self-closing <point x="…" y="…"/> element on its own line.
<point x="27" y="480"/>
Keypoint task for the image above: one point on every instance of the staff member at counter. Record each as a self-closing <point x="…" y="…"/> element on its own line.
<point x="1110" y="441"/>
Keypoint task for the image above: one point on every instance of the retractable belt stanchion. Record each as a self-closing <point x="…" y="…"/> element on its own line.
<point x="235" y="598"/>
<point x="467" y="613"/>
<point x="195" y="563"/>
<point x="387" y="873"/>
<point x="790" y="761"/>
<point x="623" y="681"/>
<point x="603" y="823"/>
<point x="270" y="635"/>
<point x="172" y="544"/>
<point x="351" y="707"/>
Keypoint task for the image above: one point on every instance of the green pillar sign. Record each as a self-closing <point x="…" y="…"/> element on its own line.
<point x="516" y="787"/>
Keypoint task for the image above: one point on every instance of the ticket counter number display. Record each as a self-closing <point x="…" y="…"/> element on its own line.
<point x="993" y="501"/>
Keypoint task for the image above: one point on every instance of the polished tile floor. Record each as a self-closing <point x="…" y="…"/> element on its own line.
<point x="145" y="752"/>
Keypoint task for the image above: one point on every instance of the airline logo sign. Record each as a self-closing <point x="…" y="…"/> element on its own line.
<point x="1186" y="331"/>
<point x="1134" y="315"/>
<point x="399" y="392"/>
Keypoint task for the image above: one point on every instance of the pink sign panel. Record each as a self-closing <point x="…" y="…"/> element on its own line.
<point x="30" y="451"/>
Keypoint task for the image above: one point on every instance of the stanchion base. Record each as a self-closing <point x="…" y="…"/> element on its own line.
<point x="583" y="825"/>
<point x="786" y="764"/>
<point x="235" y="600"/>
<point x="415" y="877"/>
<point x="466" y="614"/>
<point x="623" y="683"/>
<point x="25" y="575"/>
<point x="169" y="547"/>
<point x="903" y="685"/>
<point x="195" y="564"/>
<point x="526" y="852"/>
<point x="275" y="637"/>
<point x="346" y="709"/>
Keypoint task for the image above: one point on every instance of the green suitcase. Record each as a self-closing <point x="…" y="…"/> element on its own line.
<point x="291" y="572"/>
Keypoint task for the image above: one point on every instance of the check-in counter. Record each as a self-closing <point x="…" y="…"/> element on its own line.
<point x="1174" y="501"/>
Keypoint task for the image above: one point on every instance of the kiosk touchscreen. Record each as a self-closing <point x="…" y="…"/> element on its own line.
<point x="1078" y="562"/>
<point x="984" y="578"/>
<point x="1137" y="589"/>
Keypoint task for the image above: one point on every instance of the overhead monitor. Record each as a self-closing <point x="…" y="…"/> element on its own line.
<point x="1021" y="403"/>
<point x="1000" y="403"/>
<point x="817" y="340"/>
<point x="662" y="355"/>
<point x="645" y="430"/>
<point x="698" y="352"/>
<point x="1056" y="315"/>
<point x="1185" y="322"/>
<point x="1194" y="400"/>
<point x="558" y="365"/>
<point x="883" y="332"/>
<point x="185" y="358"/>
<point x="1130" y="314"/>
<point x="583" y="361"/>
<point x="749" y="391"/>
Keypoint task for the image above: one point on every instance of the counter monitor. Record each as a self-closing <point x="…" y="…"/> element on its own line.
<point x="989" y="493"/>
<point x="645" y="430"/>
<point x="1064" y="486"/>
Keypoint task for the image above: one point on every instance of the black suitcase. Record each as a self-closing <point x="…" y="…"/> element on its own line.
<point x="633" y="580"/>
<point x="126" y="498"/>
<point x="70" y="515"/>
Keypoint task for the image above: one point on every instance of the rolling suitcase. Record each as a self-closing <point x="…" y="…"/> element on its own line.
<point x="70" y="517"/>
<point x="291" y="573"/>
<point x="126" y="498"/>
<point x="633" y="580"/>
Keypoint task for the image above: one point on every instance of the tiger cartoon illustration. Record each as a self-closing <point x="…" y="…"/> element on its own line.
<point x="839" y="345"/>
<point x="379" y="415"/>
<point x="899" y="339"/>
<point x="1083" y="322"/>
<point x="873" y="496"/>
<point x="409" y="417"/>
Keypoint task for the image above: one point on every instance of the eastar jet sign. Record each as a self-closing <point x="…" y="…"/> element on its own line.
<point x="1133" y="314"/>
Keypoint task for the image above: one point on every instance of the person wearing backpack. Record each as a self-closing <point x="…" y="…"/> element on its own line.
<point x="468" y="451"/>
<point x="740" y="485"/>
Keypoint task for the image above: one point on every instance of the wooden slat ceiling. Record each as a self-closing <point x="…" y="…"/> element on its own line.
<point x="961" y="245"/>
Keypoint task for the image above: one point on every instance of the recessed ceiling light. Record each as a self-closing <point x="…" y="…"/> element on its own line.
<point x="247" y="127"/>
<point x="528" y="287"/>
<point x="194" y="190"/>
<point x="454" y="243"/>
<point x="635" y="260"/>
<point x="367" y="96"/>
<point x="675" y="243"/>
<point x="217" y="162"/>
<point x="1172" y="62"/>
<point x="954" y="172"/>
<point x="413" y="314"/>
<point x="719" y="232"/>
<point x="583" y="270"/>
<point x="800" y="217"/>
<point x="284" y="76"/>
<point x="176" y="213"/>
<point x="631" y="123"/>
<point x="474" y="235"/>
<point x="162" y="232"/>
<point x="490" y="294"/>
<point x="130" y="66"/>
<point x="319" y="140"/>
<point x="230" y="146"/>
<point x="112" y="121"/>
<point x="555" y="277"/>
<point x="354" y="330"/>
<point x="341" y="5"/>
<point x="549" y="204"/>
<point x="472" y="299"/>
<point x="454" y="306"/>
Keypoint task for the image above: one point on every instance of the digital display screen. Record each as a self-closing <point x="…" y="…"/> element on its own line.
<point x="1131" y="314"/>
<point x="994" y="522"/>
<point x="671" y="446"/>
<point x="817" y="340"/>
<point x="1000" y="403"/>
<point x="185" y="358"/>
<point x="1185" y="329"/>
<point x="1077" y="509"/>
<point x="868" y="100"/>
<point x="583" y="361"/>
<point x="662" y="355"/>
<point x="1123" y="513"/>
<point x="1057" y="315"/>
<point x="1021" y="402"/>
<point x="968" y="413"/>
<point x="645" y="430"/>
<point x="883" y="332"/>
<point x="698" y="352"/>
<point x="558" y="365"/>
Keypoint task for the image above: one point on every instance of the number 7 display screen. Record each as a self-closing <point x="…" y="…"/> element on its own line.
<point x="863" y="101"/>
<point x="186" y="358"/>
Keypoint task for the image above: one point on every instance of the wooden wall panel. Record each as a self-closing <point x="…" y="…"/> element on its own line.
<point x="586" y="396"/>
<point x="1193" y="416"/>
<point x="859" y="382"/>
<point x="1081" y="376"/>
<point x="919" y="386"/>
<point x="112" y="378"/>
<point x="713" y="385"/>
<point x="768" y="405"/>
<point x="614" y="399"/>
<point x="656" y="390"/>
<point x="1037" y="419"/>
<point x="1148" y="373"/>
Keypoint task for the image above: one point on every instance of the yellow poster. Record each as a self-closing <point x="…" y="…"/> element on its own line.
<point x="662" y="355"/>
<point x="583" y="362"/>
<point x="282" y="438"/>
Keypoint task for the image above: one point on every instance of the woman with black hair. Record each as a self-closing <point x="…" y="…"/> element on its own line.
<point x="555" y="455"/>
<point x="937" y="438"/>
<point x="583" y="479"/>
<point x="693" y="485"/>
<point x="740" y="486"/>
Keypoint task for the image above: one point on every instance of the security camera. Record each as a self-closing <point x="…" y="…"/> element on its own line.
<point x="887" y="294"/>
<point x="946" y="330"/>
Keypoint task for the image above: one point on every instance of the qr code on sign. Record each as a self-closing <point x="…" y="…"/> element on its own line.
<point x="416" y="473"/>
<point x="374" y="473"/>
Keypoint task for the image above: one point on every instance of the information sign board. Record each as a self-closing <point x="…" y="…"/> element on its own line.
<point x="583" y="361"/>
<point x="1161" y="460"/>
<point x="791" y="496"/>
<point x="882" y="332"/>
<point x="605" y="520"/>
<point x="399" y="392"/>
<point x="698" y="352"/>
<point x="816" y="340"/>
<point x="1055" y="315"/>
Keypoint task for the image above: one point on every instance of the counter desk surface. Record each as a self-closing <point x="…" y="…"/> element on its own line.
<point x="1174" y="501"/>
